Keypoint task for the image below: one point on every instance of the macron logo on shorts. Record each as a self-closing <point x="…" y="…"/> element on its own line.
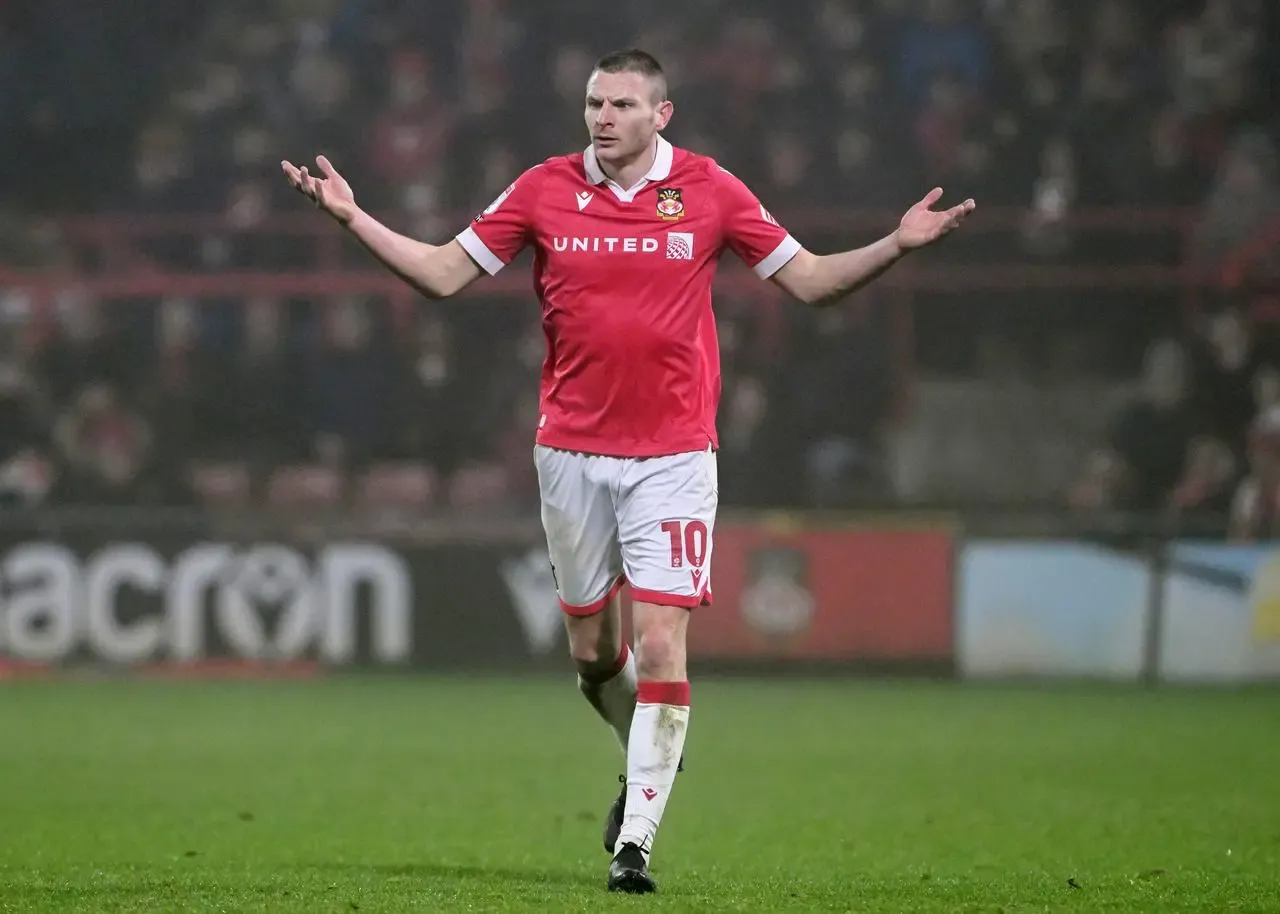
<point x="679" y="245"/>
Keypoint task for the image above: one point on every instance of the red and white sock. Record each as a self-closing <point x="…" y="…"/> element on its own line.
<point x="653" y="755"/>
<point x="613" y="694"/>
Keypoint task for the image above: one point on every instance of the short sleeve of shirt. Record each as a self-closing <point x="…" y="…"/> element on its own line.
<point x="749" y="229"/>
<point x="497" y="235"/>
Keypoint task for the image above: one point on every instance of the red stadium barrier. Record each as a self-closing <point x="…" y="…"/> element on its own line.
<point x="114" y="243"/>
<point x="111" y="239"/>
<point x="1249" y="262"/>
<point x="813" y="592"/>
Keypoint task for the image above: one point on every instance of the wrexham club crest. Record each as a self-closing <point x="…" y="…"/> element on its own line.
<point x="670" y="206"/>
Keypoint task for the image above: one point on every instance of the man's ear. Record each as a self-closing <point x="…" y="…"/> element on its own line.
<point x="665" y="110"/>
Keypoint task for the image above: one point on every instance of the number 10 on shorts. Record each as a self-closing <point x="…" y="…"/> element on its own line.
<point x="690" y="547"/>
<point x="688" y="542"/>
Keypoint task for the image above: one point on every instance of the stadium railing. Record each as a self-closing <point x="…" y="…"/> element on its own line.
<point x="111" y="241"/>
<point x="986" y="263"/>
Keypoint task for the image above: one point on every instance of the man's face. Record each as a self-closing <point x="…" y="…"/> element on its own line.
<point x="624" y="113"/>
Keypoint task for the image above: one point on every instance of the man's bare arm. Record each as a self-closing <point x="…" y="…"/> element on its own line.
<point x="827" y="278"/>
<point x="437" y="271"/>
<point x="823" y="279"/>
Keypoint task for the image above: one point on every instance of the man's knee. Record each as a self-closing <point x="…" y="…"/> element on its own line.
<point x="660" y="642"/>
<point x="594" y="642"/>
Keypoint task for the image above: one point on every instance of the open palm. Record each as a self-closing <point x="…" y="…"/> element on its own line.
<point x="331" y="193"/>
<point x="923" y="225"/>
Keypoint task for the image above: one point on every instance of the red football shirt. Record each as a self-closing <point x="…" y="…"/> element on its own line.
<point x="624" y="277"/>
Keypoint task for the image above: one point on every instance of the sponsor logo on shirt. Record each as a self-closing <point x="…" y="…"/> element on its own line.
<point x="679" y="245"/>
<point x="595" y="244"/>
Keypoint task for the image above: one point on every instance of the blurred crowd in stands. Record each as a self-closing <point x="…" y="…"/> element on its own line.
<point x="1043" y="107"/>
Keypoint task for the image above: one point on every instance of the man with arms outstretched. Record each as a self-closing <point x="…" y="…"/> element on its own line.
<point x="627" y="236"/>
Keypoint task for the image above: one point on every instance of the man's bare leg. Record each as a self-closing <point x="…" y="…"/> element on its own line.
<point x="606" y="666"/>
<point x="656" y="741"/>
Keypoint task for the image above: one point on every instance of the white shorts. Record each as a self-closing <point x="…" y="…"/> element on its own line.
<point x="612" y="520"/>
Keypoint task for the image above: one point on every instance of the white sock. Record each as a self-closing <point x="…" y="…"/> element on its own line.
<point x="614" y="695"/>
<point x="653" y="755"/>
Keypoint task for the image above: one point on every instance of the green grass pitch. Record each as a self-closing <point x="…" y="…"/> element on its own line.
<point x="438" y="795"/>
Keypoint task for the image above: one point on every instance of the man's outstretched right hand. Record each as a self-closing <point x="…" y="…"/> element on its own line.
<point x="331" y="193"/>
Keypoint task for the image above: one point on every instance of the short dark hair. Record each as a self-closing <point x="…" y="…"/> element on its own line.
<point x="634" y="60"/>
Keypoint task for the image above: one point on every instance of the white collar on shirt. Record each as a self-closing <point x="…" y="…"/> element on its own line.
<point x="659" y="171"/>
